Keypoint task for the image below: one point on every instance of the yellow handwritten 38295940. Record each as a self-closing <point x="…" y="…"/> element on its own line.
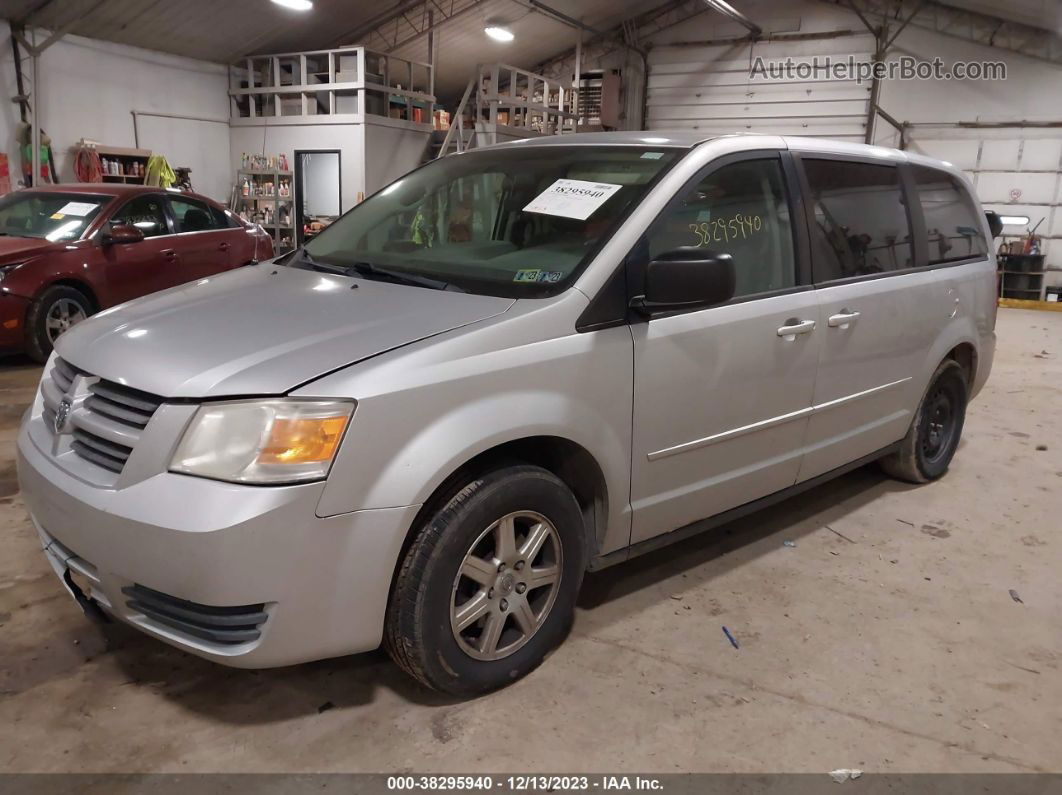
<point x="724" y="230"/>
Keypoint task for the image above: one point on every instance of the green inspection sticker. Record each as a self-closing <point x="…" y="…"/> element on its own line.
<point x="530" y="275"/>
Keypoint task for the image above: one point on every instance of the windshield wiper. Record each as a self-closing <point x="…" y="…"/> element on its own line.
<point x="401" y="277"/>
<point x="302" y="257"/>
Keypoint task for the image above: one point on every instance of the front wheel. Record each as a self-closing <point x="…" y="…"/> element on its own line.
<point x="57" y="310"/>
<point x="926" y="452"/>
<point x="488" y="587"/>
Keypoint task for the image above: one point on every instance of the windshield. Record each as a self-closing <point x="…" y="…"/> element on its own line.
<point x="50" y="216"/>
<point x="515" y="222"/>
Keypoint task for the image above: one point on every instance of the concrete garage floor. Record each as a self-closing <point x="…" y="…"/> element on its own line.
<point x="885" y="640"/>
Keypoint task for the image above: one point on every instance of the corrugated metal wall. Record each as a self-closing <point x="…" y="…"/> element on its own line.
<point x="710" y="88"/>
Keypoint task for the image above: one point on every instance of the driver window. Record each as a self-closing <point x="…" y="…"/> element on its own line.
<point x="740" y="209"/>
<point x="145" y="213"/>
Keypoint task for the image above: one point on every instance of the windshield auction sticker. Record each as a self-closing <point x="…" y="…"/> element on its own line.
<point x="572" y="198"/>
<point x="79" y="209"/>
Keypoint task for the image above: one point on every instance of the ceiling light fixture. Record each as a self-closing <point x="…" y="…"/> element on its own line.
<point x="1014" y="220"/>
<point x="498" y="32"/>
<point x="295" y="5"/>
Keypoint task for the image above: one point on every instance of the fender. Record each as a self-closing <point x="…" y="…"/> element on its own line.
<point x="425" y="410"/>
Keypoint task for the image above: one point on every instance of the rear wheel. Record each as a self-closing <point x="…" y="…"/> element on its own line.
<point x="59" y="309"/>
<point x="488" y="587"/>
<point x="927" y="450"/>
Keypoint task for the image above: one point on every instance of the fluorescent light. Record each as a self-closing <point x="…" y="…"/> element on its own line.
<point x="295" y="5"/>
<point x="499" y="32"/>
<point x="1014" y="220"/>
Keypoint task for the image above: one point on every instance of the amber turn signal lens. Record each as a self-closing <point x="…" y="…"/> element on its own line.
<point x="303" y="440"/>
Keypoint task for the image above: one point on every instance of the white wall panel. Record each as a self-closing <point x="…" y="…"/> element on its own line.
<point x="711" y="89"/>
<point x="1035" y="188"/>
<point x="960" y="153"/>
<point x="89" y="89"/>
<point x="1041" y="155"/>
<point x="1001" y="155"/>
<point x="200" y="145"/>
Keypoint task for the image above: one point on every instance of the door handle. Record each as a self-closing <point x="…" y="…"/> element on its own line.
<point x="842" y="319"/>
<point x="225" y="246"/>
<point x="793" y="327"/>
<point x="169" y="253"/>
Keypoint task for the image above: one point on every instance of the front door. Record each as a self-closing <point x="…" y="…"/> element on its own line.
<point x="722" y="395"/>
<point x="880" y="313"/>
<point x="136" y="269"/>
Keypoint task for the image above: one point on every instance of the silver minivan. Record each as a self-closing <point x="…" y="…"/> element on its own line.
<point x="508" y="367"/>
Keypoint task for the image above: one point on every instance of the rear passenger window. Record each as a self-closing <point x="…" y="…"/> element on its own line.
<point x="953" y="222"/>
<point x="860" y="219"/>
<point x="193" y="216"/>
<point x="740" y="209"/>
<point x="221" y="220"/>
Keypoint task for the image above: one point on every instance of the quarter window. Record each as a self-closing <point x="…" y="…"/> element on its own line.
<point x="739" y="209"/>
<point x="860" y="224"/>
<point x="193" y="216"/>
<point x="953" y="223"/>
<point x="145" y="213"/>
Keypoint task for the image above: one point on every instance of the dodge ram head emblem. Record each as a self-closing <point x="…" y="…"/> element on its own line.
<point x="61" y="413"/>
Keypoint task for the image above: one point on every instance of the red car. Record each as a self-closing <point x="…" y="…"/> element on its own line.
<point x="67" y="251"/>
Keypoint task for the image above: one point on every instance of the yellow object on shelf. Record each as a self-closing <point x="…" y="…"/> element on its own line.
<point x="158" y="172"/>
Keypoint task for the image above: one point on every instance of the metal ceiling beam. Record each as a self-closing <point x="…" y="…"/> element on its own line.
<point x="33" y="12"/>
<point x="413" y="23"/>
<point x="384" y="17"/>
<point x="575" y="23"/>
<point x="973" y="26"/>
<point x="733" y="14"/>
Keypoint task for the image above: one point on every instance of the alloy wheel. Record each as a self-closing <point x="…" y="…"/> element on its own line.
<point x="507" y="583"/>
<point x="63" y="314"/>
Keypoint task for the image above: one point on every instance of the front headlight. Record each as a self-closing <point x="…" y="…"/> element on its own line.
<point x="263" y="441"/>
<point x="5" y="270"/>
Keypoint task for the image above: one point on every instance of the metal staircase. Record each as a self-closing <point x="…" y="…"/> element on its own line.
<point x="504" y="103"/>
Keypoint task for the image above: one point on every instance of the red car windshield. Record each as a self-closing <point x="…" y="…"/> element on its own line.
<point x="48" y="216"/>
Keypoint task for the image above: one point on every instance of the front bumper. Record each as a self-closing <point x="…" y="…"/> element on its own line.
<point x="322" y="583"/>
<point x="13" y="310"/>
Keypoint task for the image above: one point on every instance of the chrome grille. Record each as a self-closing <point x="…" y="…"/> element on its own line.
<point x="63" y="374"/>
<point x="107" y="418"/>
<point x="99" y="451"/>
<point x="122" y="404"/>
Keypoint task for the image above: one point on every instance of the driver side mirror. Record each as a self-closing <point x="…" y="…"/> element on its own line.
<point x="995" y="223"/>
<point x="687" y="278"/>
<point x="121" y="233"/>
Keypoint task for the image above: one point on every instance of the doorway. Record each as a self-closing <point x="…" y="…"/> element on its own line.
<point x="318" y="192"/>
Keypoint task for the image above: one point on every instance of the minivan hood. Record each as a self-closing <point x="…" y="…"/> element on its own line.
<point x="261" y="330"/>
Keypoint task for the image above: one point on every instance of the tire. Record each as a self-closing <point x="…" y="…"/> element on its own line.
<point x="48" y="312"/>
<point x="926" y="452"/>
<point x="431" y="588"/>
